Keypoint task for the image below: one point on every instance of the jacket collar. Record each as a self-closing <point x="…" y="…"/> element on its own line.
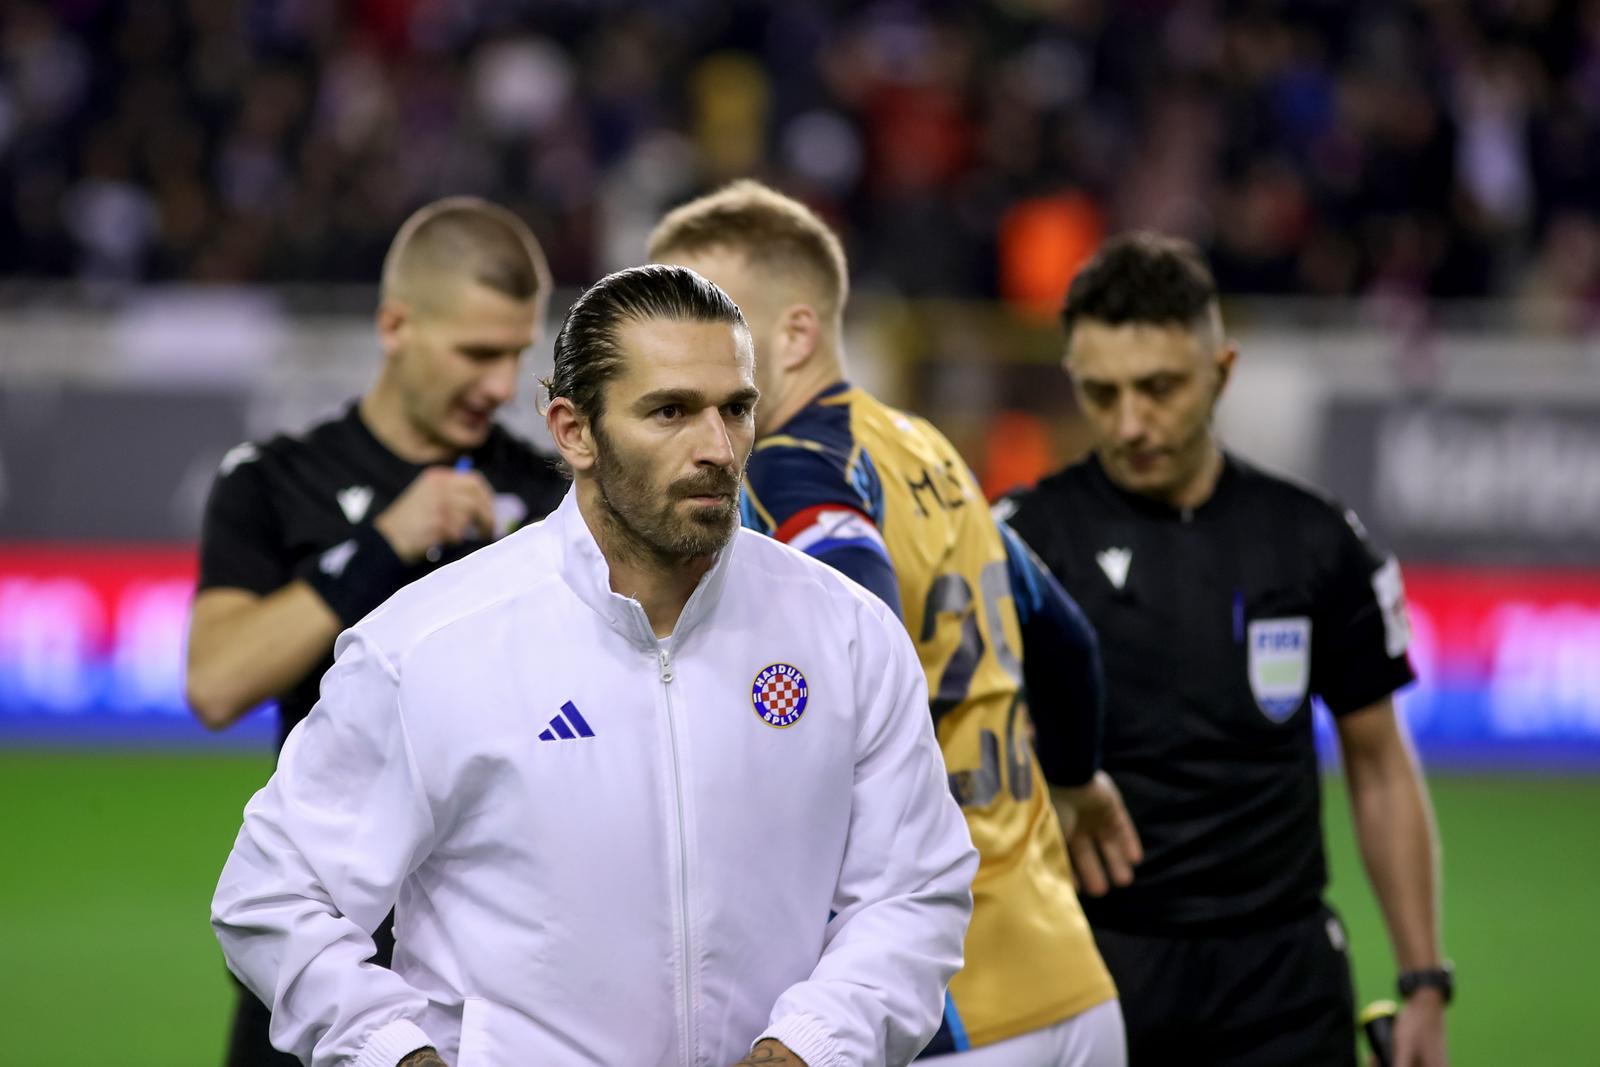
<point x="588" y="575"/>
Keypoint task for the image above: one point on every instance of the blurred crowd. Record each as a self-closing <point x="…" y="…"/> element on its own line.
<point x="1317" y="147"/>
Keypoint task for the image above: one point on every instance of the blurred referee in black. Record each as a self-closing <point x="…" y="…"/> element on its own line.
<point x="303" y="535"/>
<point x="1225" y="598"/>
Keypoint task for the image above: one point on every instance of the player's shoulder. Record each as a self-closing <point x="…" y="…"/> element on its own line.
<point x="818" y="436"/>
<point x="902" y="441"/>
<point x="787" y="476"/>
<point x="812" y="461"/>
<point x="804" y="585"/>
<point x="897" y="423"/>
<point x="518" y="566"/>
<point x="782" y="456"/>
<point x="757" y="557"/>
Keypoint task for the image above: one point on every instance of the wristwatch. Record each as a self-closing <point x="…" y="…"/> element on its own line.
<point x="1441" y="978"/>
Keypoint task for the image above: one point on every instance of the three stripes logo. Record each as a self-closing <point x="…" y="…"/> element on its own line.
<point x="568" y="725"/>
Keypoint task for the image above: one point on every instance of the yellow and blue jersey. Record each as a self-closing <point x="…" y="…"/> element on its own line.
<point x="885" y="498"/>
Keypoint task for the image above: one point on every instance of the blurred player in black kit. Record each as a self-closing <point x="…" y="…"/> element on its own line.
<point x="303" y="535"/>
<point x="1225" y="598"/>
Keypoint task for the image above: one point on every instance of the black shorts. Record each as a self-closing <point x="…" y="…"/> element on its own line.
<point x="248" y="1043"/>
<point x="1280" y="997"/>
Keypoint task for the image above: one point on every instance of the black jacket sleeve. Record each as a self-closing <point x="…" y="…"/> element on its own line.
<point x="1358" y="656"/>
<point x="241" y="545"/>
<point x="1061" y="668"/>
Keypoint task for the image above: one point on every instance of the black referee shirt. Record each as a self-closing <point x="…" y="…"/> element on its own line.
<point x="1217" y="625"/>
<point x="277" y="509"/>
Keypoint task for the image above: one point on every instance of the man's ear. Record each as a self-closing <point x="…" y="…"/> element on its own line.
<point x="797" y="334"/>
<point x="572" y="432"/>
<point x="1225" y="362"/>
<point x="395" y="322"/>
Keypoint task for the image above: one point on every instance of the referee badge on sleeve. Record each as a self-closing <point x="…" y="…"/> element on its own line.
<point x="1280" y="664"/>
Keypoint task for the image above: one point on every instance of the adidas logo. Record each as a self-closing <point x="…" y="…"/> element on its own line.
<point x="568" y="728"/>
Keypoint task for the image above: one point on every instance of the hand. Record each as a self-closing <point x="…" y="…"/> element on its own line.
<point x="1101" y="838"/>
<point x="441" y="507"/>
<point x="423" y="1057"/>
<point x="1419" y="1031"/>
<point x="769" y="1053"/>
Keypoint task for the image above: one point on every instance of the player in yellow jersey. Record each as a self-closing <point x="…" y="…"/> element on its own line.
<point x="882" y="496"/>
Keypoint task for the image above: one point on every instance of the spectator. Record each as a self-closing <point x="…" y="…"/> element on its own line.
<point x="1389" y="148"/>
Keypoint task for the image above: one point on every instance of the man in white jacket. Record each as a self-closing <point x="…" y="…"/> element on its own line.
<point x="643" y="787"/>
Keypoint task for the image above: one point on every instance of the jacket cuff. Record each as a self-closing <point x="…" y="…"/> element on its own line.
<point x="807" y="1038"/>
<point x="357" y="575"/>
<point x="390" y="1044"/>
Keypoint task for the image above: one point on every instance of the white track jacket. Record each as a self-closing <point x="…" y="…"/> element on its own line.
<point x="607" y="849"/>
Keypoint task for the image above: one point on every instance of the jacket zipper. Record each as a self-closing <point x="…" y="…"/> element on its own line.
<point x="683" y="860"/>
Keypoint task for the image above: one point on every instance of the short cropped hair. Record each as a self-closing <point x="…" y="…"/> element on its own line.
<point x="464" y="236"/>
<point x="768" y="228"/>
<point x="1144" y="278"/>
<point x="588" y="353"/>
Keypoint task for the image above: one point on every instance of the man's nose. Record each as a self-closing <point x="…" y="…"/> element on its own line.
<point x="713" y="446"/>
<point x="1131" y="418"/>
<point x="499" y="384"/>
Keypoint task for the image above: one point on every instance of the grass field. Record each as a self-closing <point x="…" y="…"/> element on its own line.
<point x="109" y="861"/>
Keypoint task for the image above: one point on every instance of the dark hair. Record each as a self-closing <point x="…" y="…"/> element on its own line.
<point x="587" y="352"/>
<point x="1142" y="278"/>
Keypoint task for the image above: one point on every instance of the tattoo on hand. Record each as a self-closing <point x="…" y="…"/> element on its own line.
<point x="423" y="1057"/>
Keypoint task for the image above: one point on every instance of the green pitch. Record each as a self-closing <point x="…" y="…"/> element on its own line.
<point x="109" y="862"/>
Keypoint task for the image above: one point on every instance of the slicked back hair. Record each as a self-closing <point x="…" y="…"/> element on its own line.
<point x="588" y="353"/>
<point x="1148" y="279"/>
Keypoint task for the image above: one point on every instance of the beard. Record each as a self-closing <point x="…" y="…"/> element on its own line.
<point x="656" y="521"/>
